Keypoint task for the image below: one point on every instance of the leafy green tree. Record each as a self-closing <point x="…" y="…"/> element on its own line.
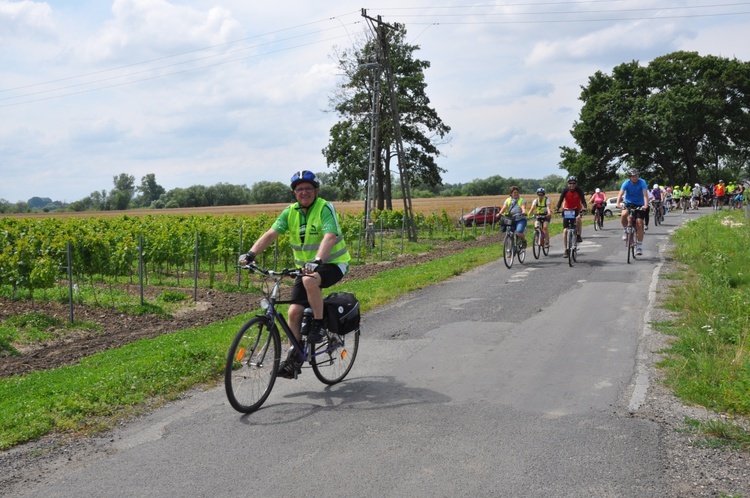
<point x="149" y="190"/>
<point x="270" y="193"/>
<point x="226" y="194"/>
<point x="679" y="118"/>
<point x="122" y="194"/>
<point x="39" y="202"/>
<point x="422" y="130"/>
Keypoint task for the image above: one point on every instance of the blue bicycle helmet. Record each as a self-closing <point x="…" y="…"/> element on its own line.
<point x="540" y="191"/>
<point x="305" y="176"/>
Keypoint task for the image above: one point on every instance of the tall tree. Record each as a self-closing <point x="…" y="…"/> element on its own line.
<point x="677" y="119"/>
<point x="149" y="190"/>
<point x="122" y="194"/>
<point x="422" y="130"/>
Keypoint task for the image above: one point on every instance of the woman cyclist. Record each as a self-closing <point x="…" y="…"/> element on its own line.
<point x="597" y="202"/>
<point x="515" y="207"/>
<point x="540" y="210"/>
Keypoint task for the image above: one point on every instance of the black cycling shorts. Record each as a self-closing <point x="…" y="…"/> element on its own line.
<point x="639" y="213"/>
<point x="329" y="274"/>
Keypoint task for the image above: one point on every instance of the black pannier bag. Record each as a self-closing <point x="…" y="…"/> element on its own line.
<point x="342" y="309"/>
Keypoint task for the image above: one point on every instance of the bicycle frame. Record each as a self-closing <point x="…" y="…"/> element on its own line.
<point x="570" y="232"/>
<point x="631" y="234"/>
<point x="302" y="349"/>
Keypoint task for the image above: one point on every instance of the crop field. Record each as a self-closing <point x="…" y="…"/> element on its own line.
<point x="454" y="207"/>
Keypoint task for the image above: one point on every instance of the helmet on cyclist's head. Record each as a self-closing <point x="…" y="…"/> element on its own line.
<point x="633" y="172"/>
<point x="572" y="179"/>
<point x="305" y="176"/>
<point x="540" y="191"/>
<point x="697" y="185"/>
<point x="656" y="185"/>
<point x="597" y="191"/>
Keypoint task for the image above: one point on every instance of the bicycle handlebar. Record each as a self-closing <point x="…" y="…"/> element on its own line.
<point x="286" y="272"/>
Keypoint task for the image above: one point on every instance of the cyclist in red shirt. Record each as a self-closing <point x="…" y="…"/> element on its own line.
<point x="572" y="197"/>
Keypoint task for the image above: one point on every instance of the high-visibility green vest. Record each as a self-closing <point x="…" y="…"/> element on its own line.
<point x="307" y="251"/>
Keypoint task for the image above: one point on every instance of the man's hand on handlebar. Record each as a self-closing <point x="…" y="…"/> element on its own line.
<point x="311" y="266"/>
<point x="246" y="259"/>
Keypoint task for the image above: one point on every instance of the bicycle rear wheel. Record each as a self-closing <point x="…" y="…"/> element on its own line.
<point x="521" y="255"/>
<point x="536" y="247"/>
<point x="545" y="245"/>
<point x="596" y="221"/>
<point x="252" y="364"/>
<point x="508" y="250"/>
<point x="335" y="357"/>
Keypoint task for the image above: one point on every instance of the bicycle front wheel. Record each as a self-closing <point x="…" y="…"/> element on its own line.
<point x="629" y="245"/>
<point x="571" y="243"/>
<point x="334" y="358"/>
<point x="596" y="222"/>
<point x="536" y="244"/>
<point x="508" y="250"/>
<point x="252" y="364"/>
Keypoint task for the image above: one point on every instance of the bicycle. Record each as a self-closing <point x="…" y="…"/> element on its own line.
<point x="631" y="231"/>
<point x="570" y="227"/>
<point x="512" y="245"/>
<point x="598" y="219"/>
<point x="657" y="209"/>
<point x="253" y="359"/>
<point x="539" y="244"/>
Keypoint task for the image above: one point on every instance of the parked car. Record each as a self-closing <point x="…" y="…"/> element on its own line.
<point x="485" y="215"/>
<point x="610" y="208"/>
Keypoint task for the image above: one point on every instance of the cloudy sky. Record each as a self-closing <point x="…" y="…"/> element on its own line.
<point x="201" y="92"/>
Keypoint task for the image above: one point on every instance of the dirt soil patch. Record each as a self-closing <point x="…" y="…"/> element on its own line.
<point x="120" y="328"/>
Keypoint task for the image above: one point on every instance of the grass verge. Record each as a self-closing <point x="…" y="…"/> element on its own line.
<point x="708" y="364"/>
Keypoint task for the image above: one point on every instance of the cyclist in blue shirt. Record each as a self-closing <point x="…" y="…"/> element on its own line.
<point x="634" y="192"/>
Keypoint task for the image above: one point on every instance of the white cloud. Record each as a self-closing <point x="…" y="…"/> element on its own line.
<point x="25" y="19"/>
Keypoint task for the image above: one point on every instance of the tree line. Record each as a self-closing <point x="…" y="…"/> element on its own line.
<point x="150" y="195"/>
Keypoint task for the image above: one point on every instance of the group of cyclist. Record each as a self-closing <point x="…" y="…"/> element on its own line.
<point x="717" y="194"/>
<point x="633" y="195"/>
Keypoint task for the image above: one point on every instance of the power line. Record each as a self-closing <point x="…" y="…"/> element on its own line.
<point x="485" y="18"/>
<point x="188" y="52"/>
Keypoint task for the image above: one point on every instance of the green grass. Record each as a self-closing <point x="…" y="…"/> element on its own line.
<point x="708" y="364"/>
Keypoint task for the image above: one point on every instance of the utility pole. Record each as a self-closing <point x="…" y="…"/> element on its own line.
<point x="379" y="28"/>
<point x="370" y="201"/>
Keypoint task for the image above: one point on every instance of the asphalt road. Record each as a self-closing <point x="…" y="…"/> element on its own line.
<point x="498" y="382"/>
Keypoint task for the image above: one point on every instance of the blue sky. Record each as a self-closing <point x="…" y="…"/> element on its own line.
<point x="226" y="91"/>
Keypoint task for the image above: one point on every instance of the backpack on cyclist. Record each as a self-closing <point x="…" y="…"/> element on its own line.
<point x="342" y="312"/>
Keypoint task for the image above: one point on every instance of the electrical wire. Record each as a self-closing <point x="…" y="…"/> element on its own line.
<point x="470" y="17"/>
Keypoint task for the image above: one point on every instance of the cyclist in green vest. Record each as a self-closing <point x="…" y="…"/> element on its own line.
<point x="319" y="250"/>
<point x="540" y="209"/>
